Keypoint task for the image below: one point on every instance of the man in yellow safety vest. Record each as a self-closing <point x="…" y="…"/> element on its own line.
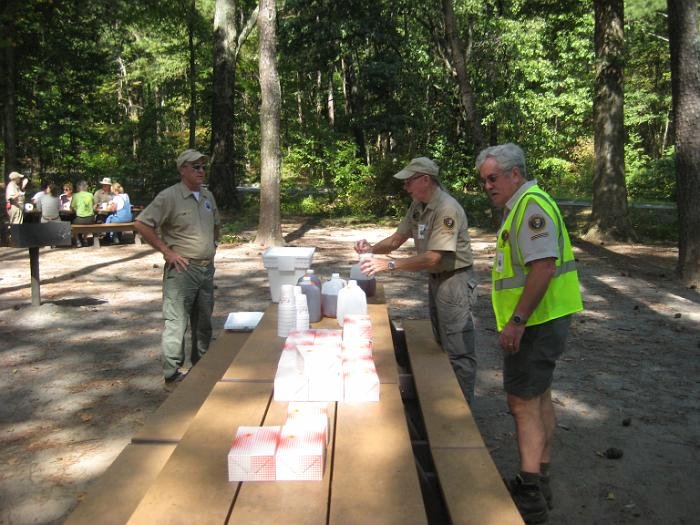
<point x="535" y="291"/>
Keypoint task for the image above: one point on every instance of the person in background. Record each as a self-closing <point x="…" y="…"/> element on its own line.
<point x="49" y="204"/>
<point x="83" y="205"/>
<point x="102" y="197"/>
<point x="120" y="208"/>
<point x="438" y="225"/>
<point x="14" y="197"/>
<point x="66" y="196"/>
<point x="535" y="290"/>
<point x="183" y="224"/>
<point x="40" y="193"/>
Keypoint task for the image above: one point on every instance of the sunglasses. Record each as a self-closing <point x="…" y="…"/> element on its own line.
<point x="198" y="167"/>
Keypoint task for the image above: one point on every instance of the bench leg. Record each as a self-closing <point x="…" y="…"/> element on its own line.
<point x="137" y="239"/>
<point x="95" y="240"/>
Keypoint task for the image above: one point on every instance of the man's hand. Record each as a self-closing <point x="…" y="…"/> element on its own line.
<point x="373" y="265"/>
<point x="362" y="246"/>
<point x="510" y="337"/>
<point x="176" y="260"/>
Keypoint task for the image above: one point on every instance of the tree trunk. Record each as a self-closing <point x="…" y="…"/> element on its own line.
<point x="350" y="90"/>
<point x="269" y="223"/>
<point x="457" y="51"/>
<point x="222" y="176"/>
<point x="684" y="43"/>
<point x="10" y="97"/>
<point x="193" y="73"/>
<point x="610" y="218"/>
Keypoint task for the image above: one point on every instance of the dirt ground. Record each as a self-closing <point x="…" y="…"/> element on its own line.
<point x="81" y="373"/>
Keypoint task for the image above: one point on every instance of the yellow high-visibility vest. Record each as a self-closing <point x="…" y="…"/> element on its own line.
<point x="563" y="296"/>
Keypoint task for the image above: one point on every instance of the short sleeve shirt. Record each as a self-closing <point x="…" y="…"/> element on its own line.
<point x="537" y="236"/>
<point x="102" y="197"/>
<point x="440" y="225"/>
<point x="186" y="225"/>
<point x="82" y="204"/>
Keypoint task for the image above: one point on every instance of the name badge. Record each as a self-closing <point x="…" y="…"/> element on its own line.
<point x="421" y="231"/>
<point x="499" y="261"/>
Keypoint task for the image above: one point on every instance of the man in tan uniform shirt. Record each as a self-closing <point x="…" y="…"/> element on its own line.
<point x="439" y="228"/>
<point x="183" y="223"/>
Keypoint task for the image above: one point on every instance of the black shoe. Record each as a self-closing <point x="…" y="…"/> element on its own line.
<point x="529" y="500"/>
<point x="171" y="382"/>
<point x="546" y="491"/>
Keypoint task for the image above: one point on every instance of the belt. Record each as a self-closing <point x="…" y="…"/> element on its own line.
<point x="450" y="273"/>
<point x="201" y="262"/>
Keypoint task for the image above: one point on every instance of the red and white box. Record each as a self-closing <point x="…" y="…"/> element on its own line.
<point x="308" y="407"/>
<point x="326" y="336"/>
<point x="300" y="456"/>
<point x="326" y="387"/>
<point x="291" y="384"/>
<point x="357" y="349"/>
<point x="320" y="360"/>
<point x="252" y="455"/>
<point x="301" y="337"/>
<point x="307" y="422"/>
<point x="357" y="327"/>
<point x="360" y="381"/>
<point x="291" y="358"/>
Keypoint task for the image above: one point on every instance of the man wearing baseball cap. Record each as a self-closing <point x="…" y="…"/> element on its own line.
<point x="14" y="197"/>
<point x="187" y="219"/>
<point x="102" y="197"/>
<point x="438" y="225"/>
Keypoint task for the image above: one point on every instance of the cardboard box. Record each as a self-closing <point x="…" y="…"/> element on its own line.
<point x="307" y="422"/>
<point x="360" y="381"/>
<point x="252" y="454"/>
<point x="290" y="384"/>
<point x="300" y="456"/>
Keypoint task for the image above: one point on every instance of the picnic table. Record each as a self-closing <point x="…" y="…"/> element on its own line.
<point x="175" y="468"/>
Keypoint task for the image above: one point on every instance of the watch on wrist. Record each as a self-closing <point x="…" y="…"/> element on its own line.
<point x="392" y="265"/>
<point x="521" y="321"/>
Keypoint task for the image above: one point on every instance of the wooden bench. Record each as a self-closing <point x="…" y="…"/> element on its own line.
<point x="96" y="229"/>
<point x="471" y="486"/>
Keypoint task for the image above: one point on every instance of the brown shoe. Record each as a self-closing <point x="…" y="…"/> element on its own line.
<point x="529" y="500"/>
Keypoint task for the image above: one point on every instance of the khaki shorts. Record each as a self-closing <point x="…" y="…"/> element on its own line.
<point x="529" y="372"/>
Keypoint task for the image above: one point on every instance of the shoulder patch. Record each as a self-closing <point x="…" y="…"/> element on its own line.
<point x="505" y="235"/>
<point x="536" y="222"/>
<point x="449" y="222"/>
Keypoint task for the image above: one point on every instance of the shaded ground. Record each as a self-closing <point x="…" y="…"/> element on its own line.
<point x="81" y="373"/>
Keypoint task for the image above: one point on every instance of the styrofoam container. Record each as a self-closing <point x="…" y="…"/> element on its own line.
<point x="252" y="454"/>
<point x="285" y="265"/>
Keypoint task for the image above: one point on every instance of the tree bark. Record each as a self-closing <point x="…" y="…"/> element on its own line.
<point x="610" y="219"/>
<point x="457" y="52"/>
<point x="269" y="223"/>
<point x="684" y="43"/>
<point x="193" y="74"/>
<point x="9" y="73"/>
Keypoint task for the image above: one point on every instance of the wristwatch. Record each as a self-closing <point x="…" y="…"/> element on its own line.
<point x="392" y="265"/>
<point x="518" y="320"/>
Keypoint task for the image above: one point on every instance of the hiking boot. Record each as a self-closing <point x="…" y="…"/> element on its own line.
<point x="529" y="500"/>
<point x="546" y="491"/>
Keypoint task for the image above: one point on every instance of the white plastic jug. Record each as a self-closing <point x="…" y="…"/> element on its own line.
<point x="313" y="298"/>
<point x="329" y="295"/>
<point x="367" y="283"/>
<point x="351" y="300"/>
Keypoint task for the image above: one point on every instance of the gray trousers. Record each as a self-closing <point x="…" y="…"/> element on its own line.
<point x="188" y="297"/>
<point x="452" y="298"/>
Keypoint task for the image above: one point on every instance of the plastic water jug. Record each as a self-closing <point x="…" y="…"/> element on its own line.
<point x="367" y="283"/>
<point x="313" y="298"/>
<point x="351" y="300"/>
<point x="329" y="295"/>
<point x="314" y="278"/>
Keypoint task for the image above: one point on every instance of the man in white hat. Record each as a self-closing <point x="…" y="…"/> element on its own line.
<point x="438" y="225"/>
<point x="103" y="196"/>
<point x="14" y="197"/>
<point x="187" y="219"/>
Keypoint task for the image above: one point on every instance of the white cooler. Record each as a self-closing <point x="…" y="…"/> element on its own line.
<point x="285" y="265"/>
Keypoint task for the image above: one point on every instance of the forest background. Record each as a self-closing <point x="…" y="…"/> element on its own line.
<point x="114" y="88"/>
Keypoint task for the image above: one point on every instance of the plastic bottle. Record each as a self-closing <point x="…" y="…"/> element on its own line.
<point x="313" y="298"/>
<point x="314" y="278"/>
<point x="367" y="283"/>
<point x="329" y="295"/>
<point x="351" y="300"/>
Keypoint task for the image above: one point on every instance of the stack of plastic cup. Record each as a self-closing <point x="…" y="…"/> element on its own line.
<point x="286" y="311"/>
<point x="302" y="307"/>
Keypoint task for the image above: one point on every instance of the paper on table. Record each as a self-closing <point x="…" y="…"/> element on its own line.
<point x="242" y="321"/>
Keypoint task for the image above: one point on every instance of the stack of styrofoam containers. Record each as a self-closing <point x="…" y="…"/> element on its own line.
<point x="310" y="416"/>
<point x="300" y="456"/>
<point x="286" y="311"/>
<point x="252" y="455"/>
<point x="360" y="379"/>
<point x="302" y="307"/>
<point x="285" y="264"/>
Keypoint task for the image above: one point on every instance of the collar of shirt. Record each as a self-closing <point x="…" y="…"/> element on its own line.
<point x="186" y="192"/>
<point x="522" y="189"/>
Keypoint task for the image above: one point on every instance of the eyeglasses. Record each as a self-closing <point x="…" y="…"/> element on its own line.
<point x="198" y="167"/>
<point x="409" y="180"/>
<point x="67" y="189"/>
<point x="491" y="178"/>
